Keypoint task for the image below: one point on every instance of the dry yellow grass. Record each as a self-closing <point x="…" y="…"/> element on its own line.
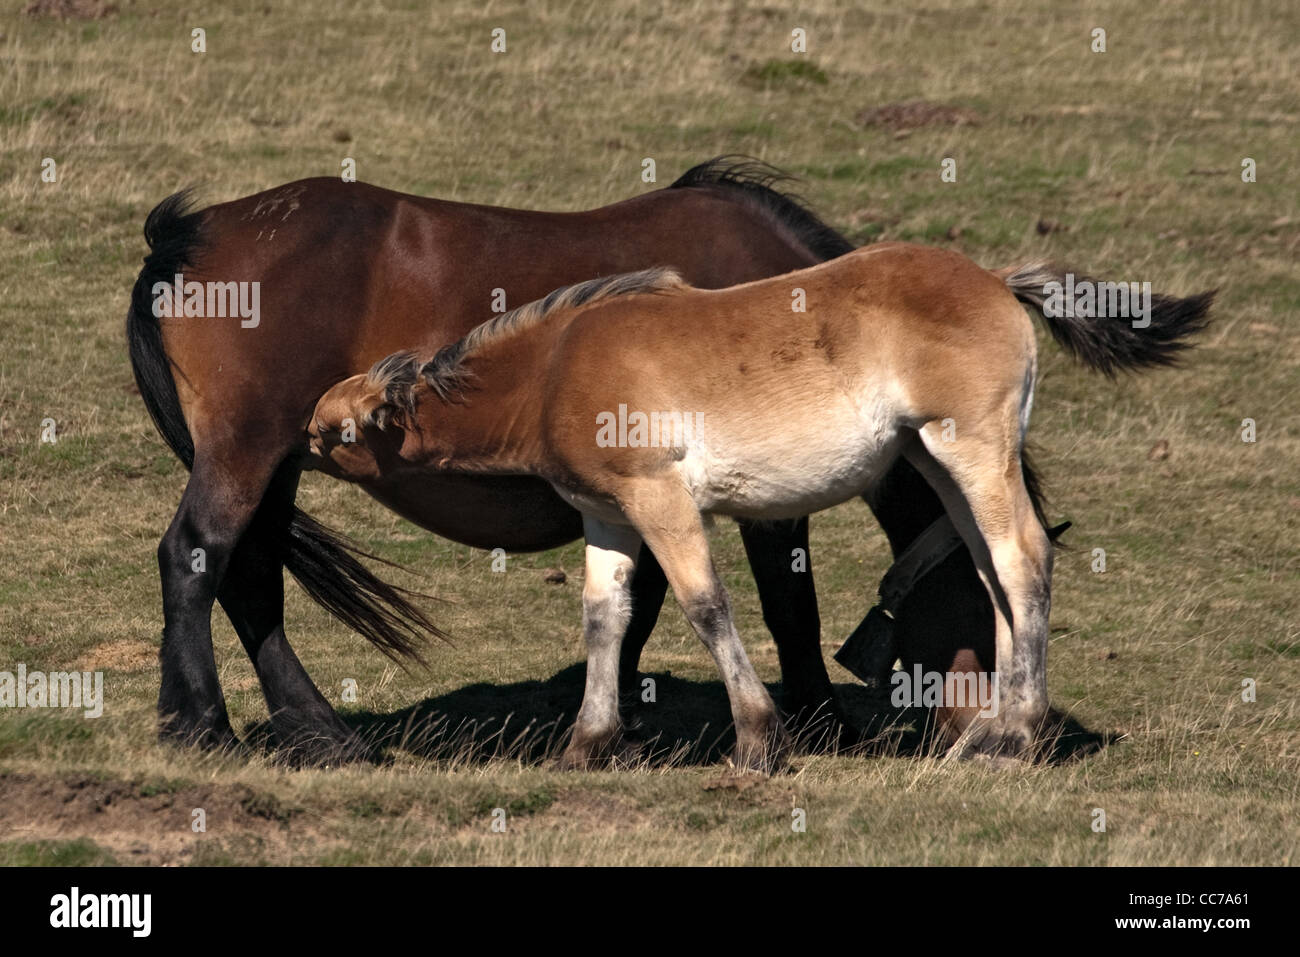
<point x="1125" y="163"/>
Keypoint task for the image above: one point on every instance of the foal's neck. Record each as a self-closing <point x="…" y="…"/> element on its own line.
<point x="495" y="425"/>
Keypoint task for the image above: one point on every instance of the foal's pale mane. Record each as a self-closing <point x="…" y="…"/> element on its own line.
<point x="446" y="373"/>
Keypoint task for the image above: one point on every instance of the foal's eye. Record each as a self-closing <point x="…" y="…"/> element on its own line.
<point x="323" y="429"/>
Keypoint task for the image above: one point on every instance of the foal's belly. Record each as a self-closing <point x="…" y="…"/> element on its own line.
<point x="517" y="513"/>
<point x="792" y="469"/>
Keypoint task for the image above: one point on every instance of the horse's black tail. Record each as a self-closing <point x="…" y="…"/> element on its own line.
<point x="174" y="236"/>
<point x="324" y="562"/>
<point x="1118" y="342"/>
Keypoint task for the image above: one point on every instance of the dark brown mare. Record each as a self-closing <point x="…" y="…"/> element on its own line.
<point x="348" y="273"/>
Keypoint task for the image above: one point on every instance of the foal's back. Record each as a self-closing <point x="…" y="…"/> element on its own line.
<point x="785" y="412"/>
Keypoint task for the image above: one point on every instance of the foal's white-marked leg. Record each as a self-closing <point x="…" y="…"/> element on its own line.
<point x="668" y="520"/>
<point x="978" y="478"/>
<point x="606" y="610"/>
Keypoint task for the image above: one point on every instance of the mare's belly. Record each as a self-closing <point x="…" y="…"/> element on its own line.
<point x="517" y="513"/>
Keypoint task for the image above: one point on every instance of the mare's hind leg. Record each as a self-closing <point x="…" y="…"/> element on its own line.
<point x="218" y="503"/>
<point x="606" y="609"/>
<point x="307" y="729"/>
<point x="978" y="477"/>
<point x="789" y="601"/>
<point x="668" y="520"/>
<point x="649" y="586"/>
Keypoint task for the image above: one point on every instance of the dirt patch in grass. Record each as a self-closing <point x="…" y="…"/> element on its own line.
<point x="149" y="822"/>
<point x="593" y="810"/>
<point x="916" y="114"/>
<point x="71" y="9"/>
<point x="120" y="655"/>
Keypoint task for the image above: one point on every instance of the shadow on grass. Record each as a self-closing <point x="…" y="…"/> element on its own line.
<point x="687" y="724"/>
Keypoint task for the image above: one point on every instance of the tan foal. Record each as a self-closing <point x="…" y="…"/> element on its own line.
<point x="649" y="404"/>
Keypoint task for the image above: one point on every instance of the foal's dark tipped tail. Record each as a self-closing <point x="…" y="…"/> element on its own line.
<point x="1110" y="344"/>
<point x="325" y="563"/>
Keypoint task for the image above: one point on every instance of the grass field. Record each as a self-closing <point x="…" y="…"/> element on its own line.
<point x="1127" y="163"/>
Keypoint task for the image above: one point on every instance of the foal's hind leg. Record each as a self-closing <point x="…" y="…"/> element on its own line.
<point x="979" y="479"/>
<point x="668" y="520"/>
<point x="606" y="610"/>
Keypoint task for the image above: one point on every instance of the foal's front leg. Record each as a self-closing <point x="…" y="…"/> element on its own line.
<point x="669" y="521"/>
<point x="606" y="610"/>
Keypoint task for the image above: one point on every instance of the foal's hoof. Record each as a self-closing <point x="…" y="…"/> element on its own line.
<point x="588" y="752"/>
<point x="999" y="762"/>
<point x="764" y="752"/>
<point x="1002" y="746"/>
<point x="573" y="761"/>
